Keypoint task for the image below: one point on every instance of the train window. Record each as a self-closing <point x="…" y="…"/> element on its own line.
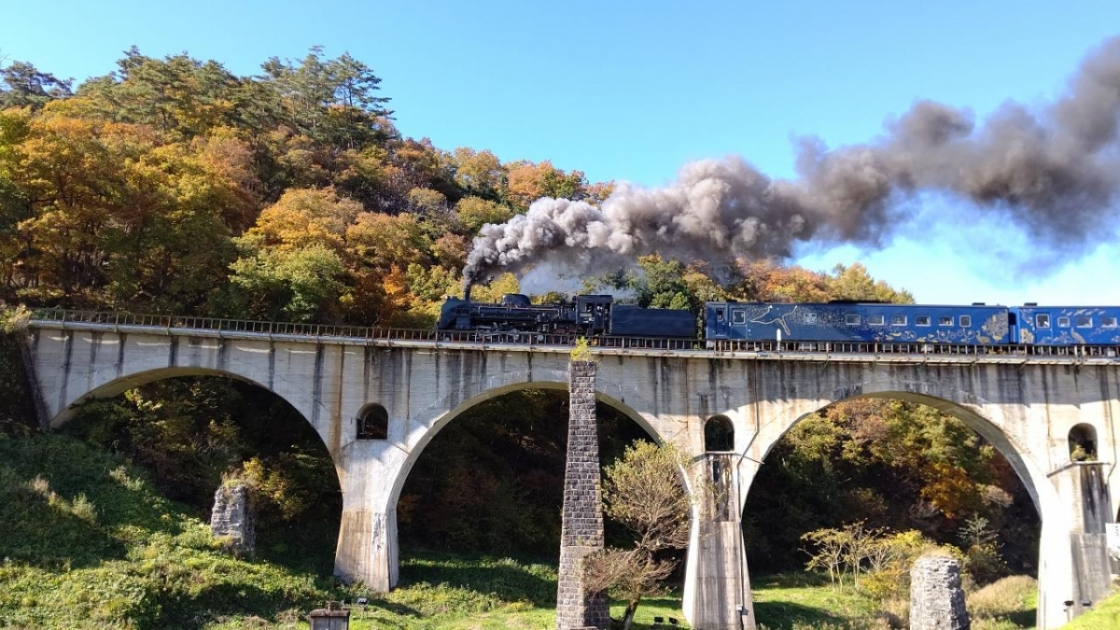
<point x="876" y="320"/>
<point x="1108" y="321"/>
<point x="1042" y="320"/>
<point x="719" y="315"/>
<point x="898" y="320"/>
<point x="966" y="321"/>
<point x="1063" y="322"/>
<point x="1084" y="322"/>
<point x="945" y="320"/>
<point x="921" y="320"/>
<point x="851" y="319"/>
<point x="738" y="317"/>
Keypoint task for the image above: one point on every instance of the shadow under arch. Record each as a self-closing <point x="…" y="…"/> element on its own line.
<point x="416" y="449"/>
<point x="253" y="409"/>
<point x="132" y="380"/>
<point x="1033" y="478"/>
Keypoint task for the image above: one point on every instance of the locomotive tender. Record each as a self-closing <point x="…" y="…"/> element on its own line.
<point x="587" y="315"/>
<point x="976" y="324"/>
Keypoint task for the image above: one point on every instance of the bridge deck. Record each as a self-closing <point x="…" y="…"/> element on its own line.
<point x="209" y="327"/>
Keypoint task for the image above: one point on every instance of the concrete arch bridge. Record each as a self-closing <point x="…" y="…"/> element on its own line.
<point x="376" y="398"/>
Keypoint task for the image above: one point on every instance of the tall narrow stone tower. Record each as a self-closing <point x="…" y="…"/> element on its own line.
<point x="581" y="530"/>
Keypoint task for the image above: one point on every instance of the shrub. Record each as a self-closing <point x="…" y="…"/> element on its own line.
<point x="1003" y="598"/>
<point x="582" y="350"/>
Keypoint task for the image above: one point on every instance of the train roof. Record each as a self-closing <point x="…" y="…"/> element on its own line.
<point x="859" y="303"/>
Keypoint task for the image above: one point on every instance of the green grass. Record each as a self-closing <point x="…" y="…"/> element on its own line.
<point x="803" y="601"/>
<point x="87" y="542"/>
<point x="1104" y="616"/>
<point x="806" y="600"/>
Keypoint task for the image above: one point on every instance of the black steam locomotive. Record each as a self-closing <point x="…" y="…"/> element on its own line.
<point x="588" y="315"/>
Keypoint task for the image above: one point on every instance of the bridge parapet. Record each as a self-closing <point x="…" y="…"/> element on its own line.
<point x="883" y="352"/>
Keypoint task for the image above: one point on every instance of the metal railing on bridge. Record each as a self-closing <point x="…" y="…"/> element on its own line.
<point x="371" y="333"/>
<point x="484" y="338"/>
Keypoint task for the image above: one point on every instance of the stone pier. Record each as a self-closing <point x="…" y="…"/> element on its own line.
<point x="581" y="530"/>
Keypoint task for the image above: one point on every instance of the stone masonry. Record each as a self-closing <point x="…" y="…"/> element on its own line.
<point x="581" y="531"/>
<point x="936" y="598"/>
<point x="231" y="520"/>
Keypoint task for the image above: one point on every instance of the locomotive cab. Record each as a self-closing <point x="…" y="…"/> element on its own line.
<point x="593" y="313"/>
<point x="519" y="300"/>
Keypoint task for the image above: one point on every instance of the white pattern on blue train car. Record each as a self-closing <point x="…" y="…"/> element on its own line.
<point x="1066" y="325"/>
<point x="860" y="322"/>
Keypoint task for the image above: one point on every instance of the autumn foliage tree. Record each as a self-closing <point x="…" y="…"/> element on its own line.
<point x="645" y="492"/>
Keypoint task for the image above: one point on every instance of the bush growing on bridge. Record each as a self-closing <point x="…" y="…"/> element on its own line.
<point x="582" y="351"/>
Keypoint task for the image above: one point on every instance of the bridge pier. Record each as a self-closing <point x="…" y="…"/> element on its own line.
<point x="368" y="550"/>
<point x="717" y="593"/>
<point x="1074" y="552"/>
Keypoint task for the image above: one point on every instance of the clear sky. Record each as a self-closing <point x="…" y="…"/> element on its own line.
<point x="629" y="90"/>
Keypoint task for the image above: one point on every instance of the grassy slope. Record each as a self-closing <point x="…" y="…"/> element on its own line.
<point x="806" y="601"/>
<point x="89" y="543"/>
<point x="86" y="542"/>
<point x="1104" y="616"/>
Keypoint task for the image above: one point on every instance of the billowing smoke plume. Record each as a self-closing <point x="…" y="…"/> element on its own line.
<point x="1054" y="172"/>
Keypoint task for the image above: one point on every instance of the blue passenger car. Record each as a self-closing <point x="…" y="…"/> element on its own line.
<point x="1065" y="325"/>
<point x="857" y="322"/>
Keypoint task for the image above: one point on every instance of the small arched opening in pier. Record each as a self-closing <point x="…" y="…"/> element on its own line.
<point x="373" y="422"/>
<point x="1082" y="440"/>
<point x="719" y="434"/>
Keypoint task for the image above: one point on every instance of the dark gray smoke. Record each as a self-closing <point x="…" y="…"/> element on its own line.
<point x="1054" y="172"/>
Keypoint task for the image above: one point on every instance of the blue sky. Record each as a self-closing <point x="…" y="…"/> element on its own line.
<point x="633" y="90"/>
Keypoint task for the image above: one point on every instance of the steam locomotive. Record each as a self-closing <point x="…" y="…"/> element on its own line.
<point x="976" y="324"/>
<point x="587" y="315"/>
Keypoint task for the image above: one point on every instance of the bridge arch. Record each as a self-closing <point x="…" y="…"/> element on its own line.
<point x="988" y="420"/>
<point x="420" y="440"/>
<point x="139" y="378"/>
<point x="1009" y="432"/>
<point x="255" y="409"/>
<point x="130" y="380"/>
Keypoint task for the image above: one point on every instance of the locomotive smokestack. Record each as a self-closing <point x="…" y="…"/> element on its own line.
<point x="1052" y="171"/>
<point x="467" y="289"/>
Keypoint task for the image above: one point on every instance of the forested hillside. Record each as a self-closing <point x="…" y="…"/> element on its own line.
<point x="175" y="186"/>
